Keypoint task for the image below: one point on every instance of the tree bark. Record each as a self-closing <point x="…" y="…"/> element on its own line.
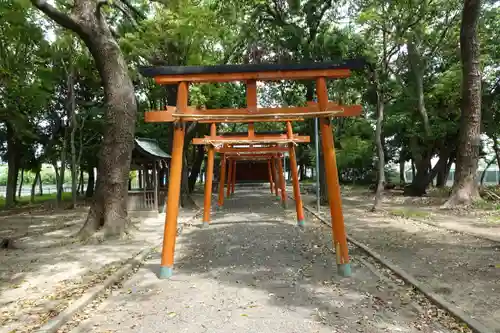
<point x="33" y="186"/>
<point x="60" y="182"/>
<point x="420" y="181"/>
<point x="380" y="151"/>
<point x="74" y="125"/>
<point x="89" y="192"/>
<point x="442" y="176"/>
<point x="20" y="191"/>
<point x="12" y="162"/>
<point x="40" y="184"/>
<point x="108" y="210"/>
<point x="402" y="176"/>
<point x="186" y="200"/>
<point x="80" y="182"/>
<point x="196" y="168"/>
<point x="413" y="171"/>
<point x="483" y="174"/>
<point x="417" y="68"/>
<point x="465" y="188"/>
<point x="497" y="153"/>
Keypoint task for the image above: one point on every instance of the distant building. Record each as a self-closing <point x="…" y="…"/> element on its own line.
<point x="491" y="177"/>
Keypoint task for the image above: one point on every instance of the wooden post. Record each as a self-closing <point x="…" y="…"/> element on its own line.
<point x="155" y="186"/>
<point x="145" y="182"/>
<point x="222" y="180"/>
<point x="229" y="178"/>
<point x="295" y="178"/>
<point x="271" y="184"/>
<point x="281" y="176"/>
<point x="275" y="178"/>
<point x="234" y="177"/>
<point x="174" y="187"/>
<point x="333" y="186"/>
<point x="251" y="103"/>
<point x="209" y="179"/>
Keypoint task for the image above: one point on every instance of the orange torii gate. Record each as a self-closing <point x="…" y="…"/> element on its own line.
<point x="268" y="143"/>
<point x="273" y="155"/>
<point x="249" y="152"/>
<point x="249" y="74"/>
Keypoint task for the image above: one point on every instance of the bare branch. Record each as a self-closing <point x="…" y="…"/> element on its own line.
<point x="135" y="11"/>
<point x="59" y="17"/>
<point x="124" y="11"/>
<point x="448" y="24"/>
<point x="99" y="5"/>
<point x="191" y="127"/>
<point x="313" y="30"/>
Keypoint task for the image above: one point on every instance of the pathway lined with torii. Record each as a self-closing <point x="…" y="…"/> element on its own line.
<point x="254" y="270"/>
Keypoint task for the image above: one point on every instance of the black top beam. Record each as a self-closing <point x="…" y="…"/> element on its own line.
<point x="221" y="69"/>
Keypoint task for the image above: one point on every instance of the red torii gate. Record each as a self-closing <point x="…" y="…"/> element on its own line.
<point x="271" y="154"/>
<point x="182" y="113"/>
<point x="251" y="139"/>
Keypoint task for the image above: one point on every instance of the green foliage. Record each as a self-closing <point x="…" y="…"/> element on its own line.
<point x="39" y="199"/>
<point x="47" y="174"/>
<point x="403" y="40"/>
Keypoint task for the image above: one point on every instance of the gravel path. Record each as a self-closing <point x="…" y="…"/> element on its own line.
<point x="253" y="270"/>
<point x="461" y="268"/>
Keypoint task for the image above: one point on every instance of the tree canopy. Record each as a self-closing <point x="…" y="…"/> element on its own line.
<point x="57" y="95"/>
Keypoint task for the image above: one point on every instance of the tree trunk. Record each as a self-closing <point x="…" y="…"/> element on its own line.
<point x="12" y="159"/>
<point x="80" y="182"/>
<point x="442" y="176"/>
<point x="402" y="178"/>
<point x="108" y="210"/>
<point x="483" y="174"/>
<point x="40" y="184"/>
<point x="417" y="69"/>
<point x="20" y="191"/>
<point x="89" y="192"/>
<point x="465" y="189"/>
<point x="497" y="153"/>
<point x="58" y="179"/>
<point x="420" y="181"/>
<point x="380" y="151"/>
<point x="33" y="186"/>
<point x="74" y="127"/>
<point x="60" y="182"/>
<point x="195" y="170"/>
<point x="186" y="200"/>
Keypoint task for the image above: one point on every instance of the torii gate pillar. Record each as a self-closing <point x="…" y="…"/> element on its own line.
<point x="332" y="180"/>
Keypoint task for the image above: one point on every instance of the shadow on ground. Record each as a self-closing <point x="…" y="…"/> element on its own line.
<point x="253" y="270"/>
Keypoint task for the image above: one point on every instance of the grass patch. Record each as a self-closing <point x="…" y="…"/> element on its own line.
<point x="494" y="219"/>
<point x="443" y="192"/>
<point x="409" y="213"/>
<point x="39" y="199"/>
<point x="486" y="205"/>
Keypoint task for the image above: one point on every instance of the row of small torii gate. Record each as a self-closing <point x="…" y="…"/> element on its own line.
<point x="253" y="146"/>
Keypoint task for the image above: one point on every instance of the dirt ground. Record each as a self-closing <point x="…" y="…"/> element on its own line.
<point x="461" y="268"/>
<point x="39" y="281"/>
<point x="253" y="270"/>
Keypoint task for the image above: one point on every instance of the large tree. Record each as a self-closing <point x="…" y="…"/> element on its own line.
<point x="465" y="188"/>
<point x="108" y="211"/>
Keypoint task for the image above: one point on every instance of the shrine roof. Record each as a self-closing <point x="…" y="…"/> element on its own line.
<point x="150" y="148"/>
<point x="152" y="71"/>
